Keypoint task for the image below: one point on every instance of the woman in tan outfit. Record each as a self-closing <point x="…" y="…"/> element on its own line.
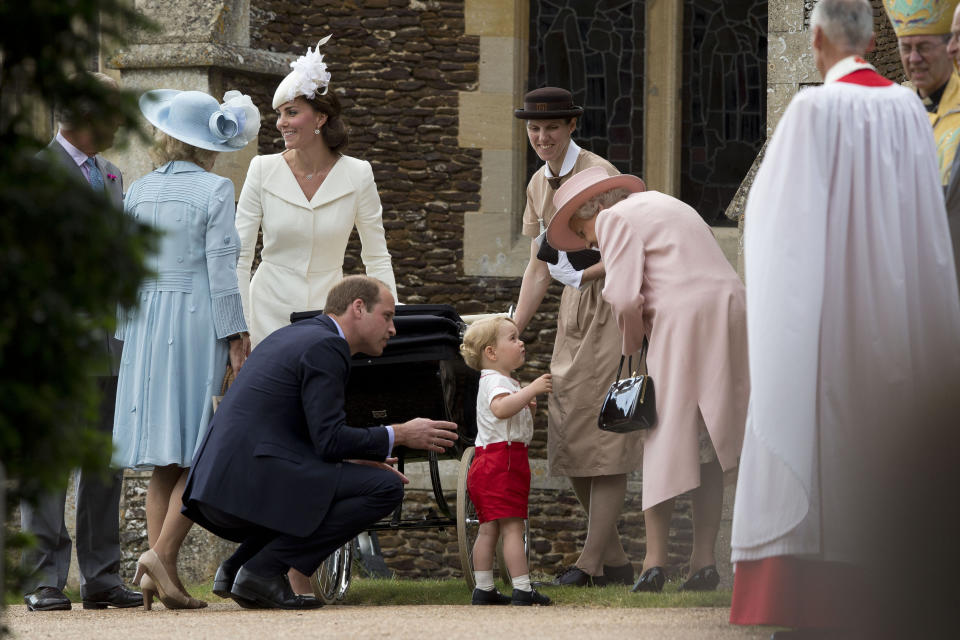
<point x="586" y="349"/>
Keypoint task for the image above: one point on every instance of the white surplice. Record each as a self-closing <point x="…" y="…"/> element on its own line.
<point x="852" y="312"/>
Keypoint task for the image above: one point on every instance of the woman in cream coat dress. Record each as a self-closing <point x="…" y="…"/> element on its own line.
<point x="307" y="200"/>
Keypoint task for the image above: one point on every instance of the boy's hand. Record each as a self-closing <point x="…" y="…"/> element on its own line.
<point x="543" y="384"/>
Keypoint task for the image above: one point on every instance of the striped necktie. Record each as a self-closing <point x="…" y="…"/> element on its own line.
<point x="96" y="178"/>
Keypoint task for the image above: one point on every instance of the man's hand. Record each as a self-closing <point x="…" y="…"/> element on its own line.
<point x="421" y="433"/>
<point x="564" y="272"/>
<point x="386" y="465"/>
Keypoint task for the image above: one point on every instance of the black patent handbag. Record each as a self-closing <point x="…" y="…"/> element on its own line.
<point x="631" y="404"/>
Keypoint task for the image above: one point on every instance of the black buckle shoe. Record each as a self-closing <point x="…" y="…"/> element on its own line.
<point x="119" y="597"/>
<point x="574" y="576"/>
<point x="270" y="593"/>
<point x="650" y="580"/>
<point x="618" y="575"/>
<point x="223" y="583"/>
<point x="705" y="579"/>
<point x="529" y="598"/>
<point x="47" y="599"/>
<point x="481" y="597"/>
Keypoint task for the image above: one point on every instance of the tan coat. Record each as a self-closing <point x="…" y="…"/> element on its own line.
<point x="586" y="353"/>
<point x="668" y="278"/>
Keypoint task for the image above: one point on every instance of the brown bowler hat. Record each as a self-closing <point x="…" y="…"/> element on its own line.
<point x="547" y="103"/>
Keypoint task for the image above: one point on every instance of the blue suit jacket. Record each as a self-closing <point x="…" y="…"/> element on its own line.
<point x="272" y="453"/>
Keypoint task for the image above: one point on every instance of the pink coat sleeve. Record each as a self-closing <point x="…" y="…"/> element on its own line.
<point x="623" y="255"/>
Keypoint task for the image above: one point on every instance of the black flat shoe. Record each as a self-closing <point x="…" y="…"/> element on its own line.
<point x="618" y="575"/>
<point x="529" y="598"/>
<point x="223" y="583"/>
<point x="481" y="597"/>
<point x="576" y="577"/>
<point x="705" y="579"/>
<point x="270" y="593"/>
<point x="119" y="597"/>
<point x="650" y="580"/>
<point x="47" y="599"/>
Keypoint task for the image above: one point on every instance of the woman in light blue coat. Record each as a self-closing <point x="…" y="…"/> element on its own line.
<point x="189" y="319"/>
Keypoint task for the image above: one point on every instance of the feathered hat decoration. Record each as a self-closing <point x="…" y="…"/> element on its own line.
<point x="309" y="76"/>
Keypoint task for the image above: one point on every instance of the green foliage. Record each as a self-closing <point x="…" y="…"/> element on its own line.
<point x="69" y="257"/>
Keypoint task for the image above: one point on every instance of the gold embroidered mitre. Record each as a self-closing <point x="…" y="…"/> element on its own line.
<point x="920" y="17"/>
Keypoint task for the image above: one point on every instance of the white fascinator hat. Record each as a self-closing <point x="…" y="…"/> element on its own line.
<point x="308" y="78"/>
<point x="198" y="119"/>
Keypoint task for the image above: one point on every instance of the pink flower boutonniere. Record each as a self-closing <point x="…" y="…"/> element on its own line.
<point x="112" y="177"/>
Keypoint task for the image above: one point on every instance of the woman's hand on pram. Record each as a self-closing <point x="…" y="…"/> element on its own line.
<point x="426" y="434"/>
<point x="386" y="464"/>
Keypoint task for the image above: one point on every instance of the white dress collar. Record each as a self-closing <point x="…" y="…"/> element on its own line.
<point x="845" y="67"/>
<point x="568" y="160"/>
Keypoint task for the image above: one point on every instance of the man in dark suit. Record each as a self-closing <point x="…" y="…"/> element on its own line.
<point x="280" y="471"/>
<point x="76" y="146"/>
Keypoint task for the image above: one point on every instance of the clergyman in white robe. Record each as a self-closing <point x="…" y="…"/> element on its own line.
<point x="854" y="344"/>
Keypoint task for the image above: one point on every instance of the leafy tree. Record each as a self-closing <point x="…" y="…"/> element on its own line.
<point x="67" y="256"/>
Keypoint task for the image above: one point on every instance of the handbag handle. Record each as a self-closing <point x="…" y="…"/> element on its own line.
<point x="643" y="352"/>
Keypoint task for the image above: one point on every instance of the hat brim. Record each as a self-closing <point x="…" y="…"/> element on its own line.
<point x="155" y="105"/>
<point x="523" y="114"/>
<point x="560" y="235"/>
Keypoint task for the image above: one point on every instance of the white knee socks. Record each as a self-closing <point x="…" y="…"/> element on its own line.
<point x="522" y="582"/>
<point x="484" y="580"/>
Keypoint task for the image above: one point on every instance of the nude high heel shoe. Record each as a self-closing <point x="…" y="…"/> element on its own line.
<point x="149" y="590"/>
<point x="171" y="597"/>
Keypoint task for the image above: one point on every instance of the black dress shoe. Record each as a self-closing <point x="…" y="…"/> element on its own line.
<point x="529" y="598"/>
<point x="650" y="580"/>
<point x="488" y="597"/>
<point x="705" y="579"/>
<point x="270" y="593"/>
<point x="118" y="596"/>
<point x="47" y="599"/>
<point x="618" y="575"/>
<point x="576" y="577"/>
<point x="223" y="582"/>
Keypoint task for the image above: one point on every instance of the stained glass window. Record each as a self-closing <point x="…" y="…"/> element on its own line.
<point x="594" y="48"/>
<point x="723" y="102"/>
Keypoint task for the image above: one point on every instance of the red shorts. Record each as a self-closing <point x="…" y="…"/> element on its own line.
<point x="499" y="481"/>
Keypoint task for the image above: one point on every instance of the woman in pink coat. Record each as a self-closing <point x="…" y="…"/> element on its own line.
<point x="667" y="279"/>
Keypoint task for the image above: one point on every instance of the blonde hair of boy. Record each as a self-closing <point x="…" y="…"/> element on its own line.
<point x="480" y="335"/>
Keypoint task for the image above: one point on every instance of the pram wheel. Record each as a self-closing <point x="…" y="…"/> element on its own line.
<point x="468" y="525"/>
<point x="332" y="578"/>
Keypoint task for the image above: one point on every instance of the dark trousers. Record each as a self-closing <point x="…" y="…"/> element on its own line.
<point x="363" y="496"/>
<point x="98" y="525"/>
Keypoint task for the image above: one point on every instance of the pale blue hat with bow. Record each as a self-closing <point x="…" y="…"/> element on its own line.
<point x="198" y="119"/>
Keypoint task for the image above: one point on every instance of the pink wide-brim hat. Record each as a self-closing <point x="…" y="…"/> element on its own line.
<point x="574" y="193"/>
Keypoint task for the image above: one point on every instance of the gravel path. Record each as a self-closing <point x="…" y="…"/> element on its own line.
<point x="226" y="620"/>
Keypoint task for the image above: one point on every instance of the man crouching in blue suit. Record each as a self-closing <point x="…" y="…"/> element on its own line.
<point x="280" y="471"/>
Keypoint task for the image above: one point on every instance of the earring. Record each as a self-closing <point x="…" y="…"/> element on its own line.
<point x="316" y="132"/>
